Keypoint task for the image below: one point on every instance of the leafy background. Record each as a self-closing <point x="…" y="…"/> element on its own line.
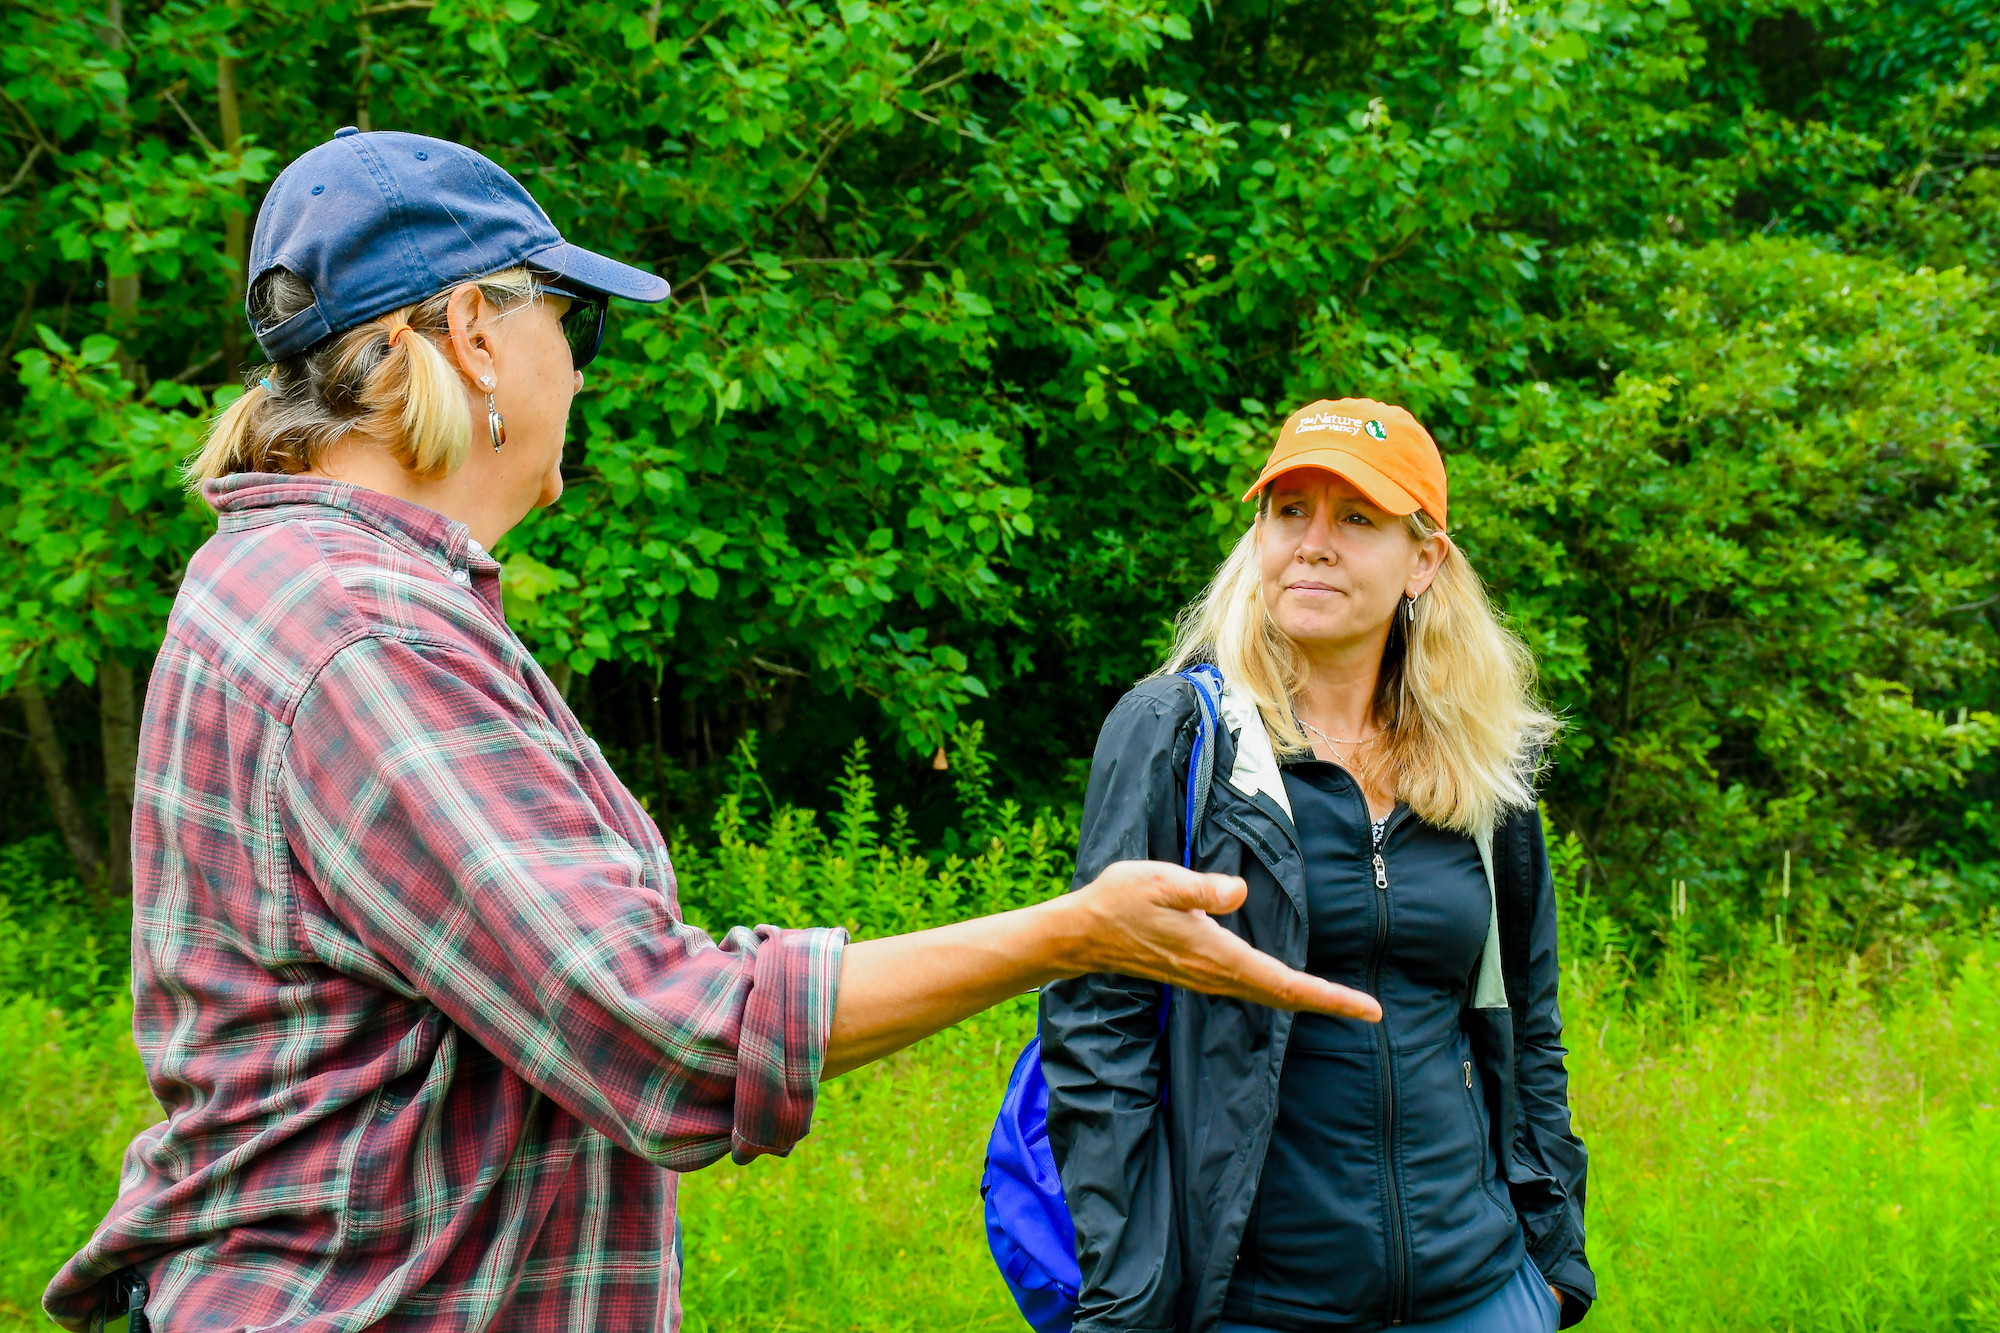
<point x="985" y="312"/>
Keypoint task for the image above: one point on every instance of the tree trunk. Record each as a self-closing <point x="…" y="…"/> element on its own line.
<point x="77" y="834"/>
<point x="364" y="33"/>
<point x="233" y="222"/>
<point x="121" y="293"/>
<point x="118" y="726"/>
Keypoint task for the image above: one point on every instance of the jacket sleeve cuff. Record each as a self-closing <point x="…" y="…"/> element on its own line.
<point x="1578" y="1287"/>
<point x="787" y="1019"/>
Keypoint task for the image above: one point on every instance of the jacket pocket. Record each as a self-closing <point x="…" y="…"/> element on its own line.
<point x="1482" y="1134"/>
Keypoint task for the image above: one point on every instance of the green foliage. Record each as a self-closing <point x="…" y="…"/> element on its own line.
<point x="1776" y="486"/>
<point x="789" y="868"/>
<point x="59" y="944"/>
<point x="95" y="523"/>
<point x="985" y="314"/>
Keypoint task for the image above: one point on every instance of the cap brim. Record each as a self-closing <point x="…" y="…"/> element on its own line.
<point x="1381" y="492"/>
<point x="600" y="274"/>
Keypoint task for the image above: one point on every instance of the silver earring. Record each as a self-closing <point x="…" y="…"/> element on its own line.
<point x="496" y="425"/>
<point x="1412" y="601"/>
<point x="486" y="381"/>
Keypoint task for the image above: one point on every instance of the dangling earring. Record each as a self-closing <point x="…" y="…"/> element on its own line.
<point x="1411" y="602"/>
<point x="496" y="425"/>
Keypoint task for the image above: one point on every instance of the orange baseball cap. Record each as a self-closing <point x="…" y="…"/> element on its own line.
<point x="1381" y="449"/>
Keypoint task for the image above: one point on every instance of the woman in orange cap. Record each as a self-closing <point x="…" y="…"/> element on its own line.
<point x="1232" y="1168"/>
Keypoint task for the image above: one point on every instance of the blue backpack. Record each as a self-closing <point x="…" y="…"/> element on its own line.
<point x="1028" y="1225"/>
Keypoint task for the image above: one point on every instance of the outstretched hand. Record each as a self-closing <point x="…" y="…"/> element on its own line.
<point x="1140" y="918"/>
<point x="1154" y="920"/>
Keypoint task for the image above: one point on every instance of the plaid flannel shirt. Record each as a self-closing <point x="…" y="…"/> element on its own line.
<point x="411" y="981"/>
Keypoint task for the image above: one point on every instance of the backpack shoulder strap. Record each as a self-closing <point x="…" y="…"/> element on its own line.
<point x="1207" y="682"/>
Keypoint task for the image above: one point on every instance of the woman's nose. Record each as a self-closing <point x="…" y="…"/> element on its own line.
<point x="1317" y="541"/>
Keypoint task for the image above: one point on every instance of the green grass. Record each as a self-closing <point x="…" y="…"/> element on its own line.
<point x="1833" y="1164"/>
<point x="873" y="1222"/>
<point x="1825" y="1167"/>
<point x="72" y="1095"/>
<point x="1791" y="1144"/>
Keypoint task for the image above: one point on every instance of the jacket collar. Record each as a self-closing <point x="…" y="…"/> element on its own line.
<point x="248" y="499"/>
<point x="1255" y="769"/>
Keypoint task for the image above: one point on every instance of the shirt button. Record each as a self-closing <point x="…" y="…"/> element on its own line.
<point x="460" y="577"/>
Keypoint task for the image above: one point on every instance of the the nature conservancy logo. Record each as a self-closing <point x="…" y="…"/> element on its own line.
<point x="1376" y="431"/>
<point x="1317" y="421"/>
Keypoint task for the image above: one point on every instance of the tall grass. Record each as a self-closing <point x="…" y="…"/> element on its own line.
<point x="1801" y="1143"/>
<point x="72" y="1095"/>
<point x="789" y="866"/>
<point x="1806" y="1141"/>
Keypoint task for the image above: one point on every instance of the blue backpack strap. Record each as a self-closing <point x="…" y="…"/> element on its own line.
<point x="1207" y="682"/>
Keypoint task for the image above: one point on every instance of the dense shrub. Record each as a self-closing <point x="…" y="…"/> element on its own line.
<point x="59" y="944"/>
<point x="986" y="312"/>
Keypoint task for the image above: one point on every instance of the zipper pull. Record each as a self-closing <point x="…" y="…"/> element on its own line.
<point x="1381" y="873"/>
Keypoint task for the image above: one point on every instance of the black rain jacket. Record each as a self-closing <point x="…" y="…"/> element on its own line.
<point x="1160" y="1187"/>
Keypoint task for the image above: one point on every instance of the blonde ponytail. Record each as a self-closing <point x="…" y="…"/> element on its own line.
<point x="387" y="382"/>
<point x="225" y="444"/>
<point x="436" y="432"/>
<point x="1462" y="732"/>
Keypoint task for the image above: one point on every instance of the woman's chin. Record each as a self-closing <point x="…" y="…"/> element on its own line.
<point x="1330" y="632"/>
<point x="552" y="488"/>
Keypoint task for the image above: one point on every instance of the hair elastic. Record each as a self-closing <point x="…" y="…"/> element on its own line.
<point x="401" y="327"/>
<point x="265" y="380"/>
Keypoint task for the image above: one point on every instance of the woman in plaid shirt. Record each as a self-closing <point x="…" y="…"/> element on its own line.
<point x="411" y="980"/>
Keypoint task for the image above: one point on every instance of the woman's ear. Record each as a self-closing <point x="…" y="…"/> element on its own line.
<point x="1431" y="553"/>
<point x="467" y="315"/>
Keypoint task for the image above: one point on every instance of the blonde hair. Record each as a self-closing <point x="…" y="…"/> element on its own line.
<point x="379" y="381"/>
<point x="1462" y="733"/>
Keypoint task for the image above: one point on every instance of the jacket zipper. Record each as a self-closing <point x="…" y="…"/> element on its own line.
<point x="1399" y="1265"/>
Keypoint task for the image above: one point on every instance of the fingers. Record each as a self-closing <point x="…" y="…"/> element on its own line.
<point x="1262" y="979"/>
<point x="1218" y="895"/>
<point x="1173" y="886"/>
<point x="1144" y="927"/>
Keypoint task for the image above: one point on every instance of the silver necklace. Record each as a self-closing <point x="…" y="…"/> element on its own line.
<point x="1332" y="740"/>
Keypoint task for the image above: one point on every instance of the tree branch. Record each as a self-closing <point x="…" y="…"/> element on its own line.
<point x="33" y="153"/>
<point x="28" y="121"/>
<point x="777" y="670"/>
<point x="198" y="367"/>
<point x="187" y="120"/>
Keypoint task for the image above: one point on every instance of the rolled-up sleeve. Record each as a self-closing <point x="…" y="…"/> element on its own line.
<point x="446" y="824"/>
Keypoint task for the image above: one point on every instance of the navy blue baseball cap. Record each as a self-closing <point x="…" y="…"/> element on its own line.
<point x="382" y="220"/>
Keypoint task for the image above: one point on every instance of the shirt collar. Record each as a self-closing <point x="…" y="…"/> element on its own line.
<point x="244" y="500"/>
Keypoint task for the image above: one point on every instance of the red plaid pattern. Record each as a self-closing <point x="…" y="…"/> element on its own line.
<point x="412" y="983"/>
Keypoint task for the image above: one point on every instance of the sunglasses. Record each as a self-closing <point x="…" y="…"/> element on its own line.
<point x="582" y="323"/>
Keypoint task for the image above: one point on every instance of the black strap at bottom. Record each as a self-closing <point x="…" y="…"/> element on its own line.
<point x="125" y="1294"/>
